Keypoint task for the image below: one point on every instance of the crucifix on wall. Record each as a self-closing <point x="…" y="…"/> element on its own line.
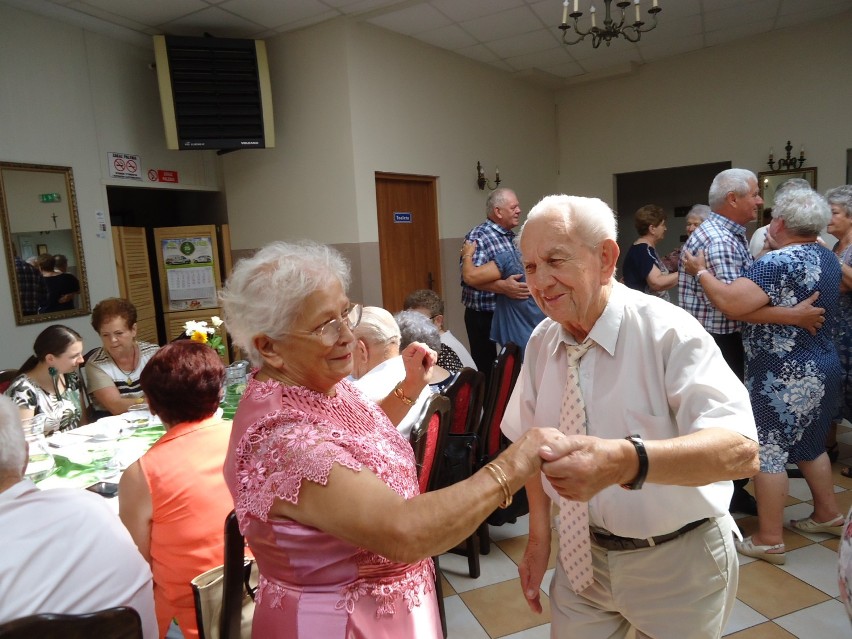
<point x="54" y="221"/>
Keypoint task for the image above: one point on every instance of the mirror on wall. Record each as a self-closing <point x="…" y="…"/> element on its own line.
<point x="38" y="214"/>
<point x="769" y="181"/>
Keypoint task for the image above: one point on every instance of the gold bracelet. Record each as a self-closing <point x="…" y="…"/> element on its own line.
<point x="397" y="392"/>
<point x="500" y="476"/>
<point x="464" y="255"/>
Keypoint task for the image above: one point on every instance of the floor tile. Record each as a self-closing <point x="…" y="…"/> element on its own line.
<point x="802" y="511"/>
<point x="507" y="531"/>
<point x="822" y="621"/>
<point x="816" y="566"/>
<point x="494" y="568"/>
<point x="516" y="546"/>
<point x="539" y="632"/>
<point x="461" y="624"/>
<point x="792" y="539"/>
<point x="742" y="616"/>
<point x="768" y="630"/>
<point x="511" y="616"/>
<point x="772" y="592"/>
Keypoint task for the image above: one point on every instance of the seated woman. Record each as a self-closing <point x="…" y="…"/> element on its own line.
<point x="325" y="487"/>
<point x="173" y="499"/>
<point x="48" y="382"/>
<point x="642" y="268"/>
<point x="113" y="370"/>
<point x="414" y="327"/>
<point x="793" y="377"/>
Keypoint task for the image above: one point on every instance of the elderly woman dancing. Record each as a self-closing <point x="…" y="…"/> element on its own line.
<point x="792" y="376"/>
<point x="325" y="487"/>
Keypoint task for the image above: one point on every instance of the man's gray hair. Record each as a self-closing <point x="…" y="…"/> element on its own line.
<point x="497" y="197"/>
<point x="416" y="327"/>
<point x="804" y="211"/>
<point x="729" y="181"/>
<point x="587" y="218"/>
<point x="841" y="196"/>
<point x="793" y="183"/>
<point x="266" y="292"/>
<point x="377" y="327"/>
<point x="13" y="448"/>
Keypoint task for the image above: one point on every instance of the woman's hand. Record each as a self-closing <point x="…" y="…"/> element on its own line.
<point x="692" y="263"/>
<point x="418" y="360"/>
<point x="468" y="249"/>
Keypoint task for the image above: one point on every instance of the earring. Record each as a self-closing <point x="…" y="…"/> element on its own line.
<point x="52" y="371"/>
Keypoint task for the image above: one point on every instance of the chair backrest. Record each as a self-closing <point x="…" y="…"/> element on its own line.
<point x="503" y="377"/>
<point x="466" y="392"/>
<point x="116" y="623"/>
<point x="233" y="578"/>
<point x="428" y="439"/>
<point x="6" y="377"/>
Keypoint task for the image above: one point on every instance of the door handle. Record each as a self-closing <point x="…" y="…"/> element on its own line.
<point x="429" y="281"/>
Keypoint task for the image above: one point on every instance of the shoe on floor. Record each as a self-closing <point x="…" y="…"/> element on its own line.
<point x="832" y="527"/>
<point x="743" y="502"/>
<point x="773" y="554"/>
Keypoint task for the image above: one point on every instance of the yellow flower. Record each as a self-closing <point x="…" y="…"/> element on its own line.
<point x="198" y="336"/>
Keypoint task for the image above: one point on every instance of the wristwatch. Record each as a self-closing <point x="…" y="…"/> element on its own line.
<point x="637" y="483"/>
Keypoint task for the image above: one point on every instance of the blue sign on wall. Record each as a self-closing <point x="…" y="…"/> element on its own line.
<point x="401" y="218"/>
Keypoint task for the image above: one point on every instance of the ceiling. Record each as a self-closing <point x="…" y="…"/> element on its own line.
<point x="520" y="37"/>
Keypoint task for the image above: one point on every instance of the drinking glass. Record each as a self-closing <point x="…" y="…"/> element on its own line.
<point x="41" y="463"/>
<point x="103" y="459"/>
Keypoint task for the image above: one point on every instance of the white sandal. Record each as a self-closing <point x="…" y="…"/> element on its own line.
<point x="768" y="553"/>
<point x="808" y="525"/>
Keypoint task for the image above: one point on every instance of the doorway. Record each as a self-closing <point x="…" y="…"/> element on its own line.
<point x="409" y="254"/>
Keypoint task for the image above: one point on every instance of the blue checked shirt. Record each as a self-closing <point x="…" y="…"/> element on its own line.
<point x="491" y="239"/>
<point x="726" y="253"/>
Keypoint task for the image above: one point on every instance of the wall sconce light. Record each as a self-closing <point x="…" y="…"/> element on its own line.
<point x="789" y="163"/>
<point x="483" y="181"/>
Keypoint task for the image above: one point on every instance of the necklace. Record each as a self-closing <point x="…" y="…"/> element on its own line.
<point x="128" y="374"/>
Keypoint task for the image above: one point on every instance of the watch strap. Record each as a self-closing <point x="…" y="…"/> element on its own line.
<point x="639" y="445"/>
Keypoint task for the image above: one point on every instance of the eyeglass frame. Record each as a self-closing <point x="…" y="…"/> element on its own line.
<point x="337" y="323"/>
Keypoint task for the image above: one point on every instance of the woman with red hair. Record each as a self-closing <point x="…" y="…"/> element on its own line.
<point x="173" y="499"/>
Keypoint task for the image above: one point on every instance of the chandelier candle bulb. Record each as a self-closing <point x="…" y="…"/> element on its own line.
<point x="565" y="12"/>
<point x="576" y="5"/>
<point x="636" y="5"/>
<point x="592" y="11"/>
<point x="655" y="4"/>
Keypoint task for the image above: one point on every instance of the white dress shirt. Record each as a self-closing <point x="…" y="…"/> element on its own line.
<point x="65" y="551"/>
<point x="380" y="381"/>
<point x="653" y="371"/>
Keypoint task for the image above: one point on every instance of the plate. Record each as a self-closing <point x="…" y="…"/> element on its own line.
<point x="138" y="407"/>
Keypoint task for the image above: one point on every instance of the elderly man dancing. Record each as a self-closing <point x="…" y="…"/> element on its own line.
<point x="657" y="426"/>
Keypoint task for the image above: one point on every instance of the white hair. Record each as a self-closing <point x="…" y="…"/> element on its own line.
<point x="416" y="327"/>
<point x="588" y="218"/>
<point x="377" y="327"/>
<point x="264" y="294"/>
<point x="736" y="181"/>
<point x="13" y="449"/>
<point x="804" y="211"/>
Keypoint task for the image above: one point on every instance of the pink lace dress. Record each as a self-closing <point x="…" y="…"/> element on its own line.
<point x="313" y="584"/>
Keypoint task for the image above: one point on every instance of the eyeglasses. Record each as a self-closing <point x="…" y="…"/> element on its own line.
<point x="329" y="332"/>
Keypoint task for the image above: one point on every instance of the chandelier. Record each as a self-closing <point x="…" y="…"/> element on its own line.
<point x="611" y="29"/>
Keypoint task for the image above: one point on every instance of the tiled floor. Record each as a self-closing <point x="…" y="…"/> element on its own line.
<point x="796" y="600"/>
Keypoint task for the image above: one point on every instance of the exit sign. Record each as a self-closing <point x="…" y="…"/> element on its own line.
<point x="49" y="197"/>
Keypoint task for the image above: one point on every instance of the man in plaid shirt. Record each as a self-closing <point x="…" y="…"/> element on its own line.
<point x="32" y="289"/>
<point x="492" y="237"/>
<point x="734" y="199"/>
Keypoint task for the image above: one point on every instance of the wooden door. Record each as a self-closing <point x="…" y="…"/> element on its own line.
<point x="409" y="254"/>
<point x="134" y="278"/>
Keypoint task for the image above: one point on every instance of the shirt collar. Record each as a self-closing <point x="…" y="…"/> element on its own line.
<point x="721" y="220"/>
<point x="499" y="229"/>
<point x="16" y="490"/>
<point x="604" y="333"/>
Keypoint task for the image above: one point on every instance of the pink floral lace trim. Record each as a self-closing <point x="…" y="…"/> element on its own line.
<point x="386" y="591"/>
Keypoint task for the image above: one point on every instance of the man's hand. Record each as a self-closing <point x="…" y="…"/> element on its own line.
<point x="531" y="571"/>
<point x="579" y="467"/>
<point x="807" y="316"/>
<point x="512" y="288"/>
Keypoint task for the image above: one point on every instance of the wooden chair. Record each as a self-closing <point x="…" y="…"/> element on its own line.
<point x="116" y="623"/>
<point x="428" y="439"/>
<point x="6" y="377"/>
<point x="234" y="580"/>
<point x="504" y="374"/>
<point x="465" y="392"/>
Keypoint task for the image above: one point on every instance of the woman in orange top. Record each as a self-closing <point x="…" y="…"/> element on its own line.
<point x="173" y="499"/>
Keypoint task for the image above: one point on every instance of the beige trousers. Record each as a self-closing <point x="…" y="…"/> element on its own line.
<point x="682" y="589"/>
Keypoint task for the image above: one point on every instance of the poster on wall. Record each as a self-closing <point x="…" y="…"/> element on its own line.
<point x="190" y="275"/>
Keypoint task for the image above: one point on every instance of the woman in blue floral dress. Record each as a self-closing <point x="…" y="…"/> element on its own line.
<point x="840" y="226"/>
<point x="792" y="376"/>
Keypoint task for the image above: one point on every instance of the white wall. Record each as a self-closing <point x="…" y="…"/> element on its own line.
<point x="67" y="98"/>
<point x="724" y="103"/>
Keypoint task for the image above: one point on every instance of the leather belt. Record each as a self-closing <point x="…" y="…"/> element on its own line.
<point x="614" y="542"/>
